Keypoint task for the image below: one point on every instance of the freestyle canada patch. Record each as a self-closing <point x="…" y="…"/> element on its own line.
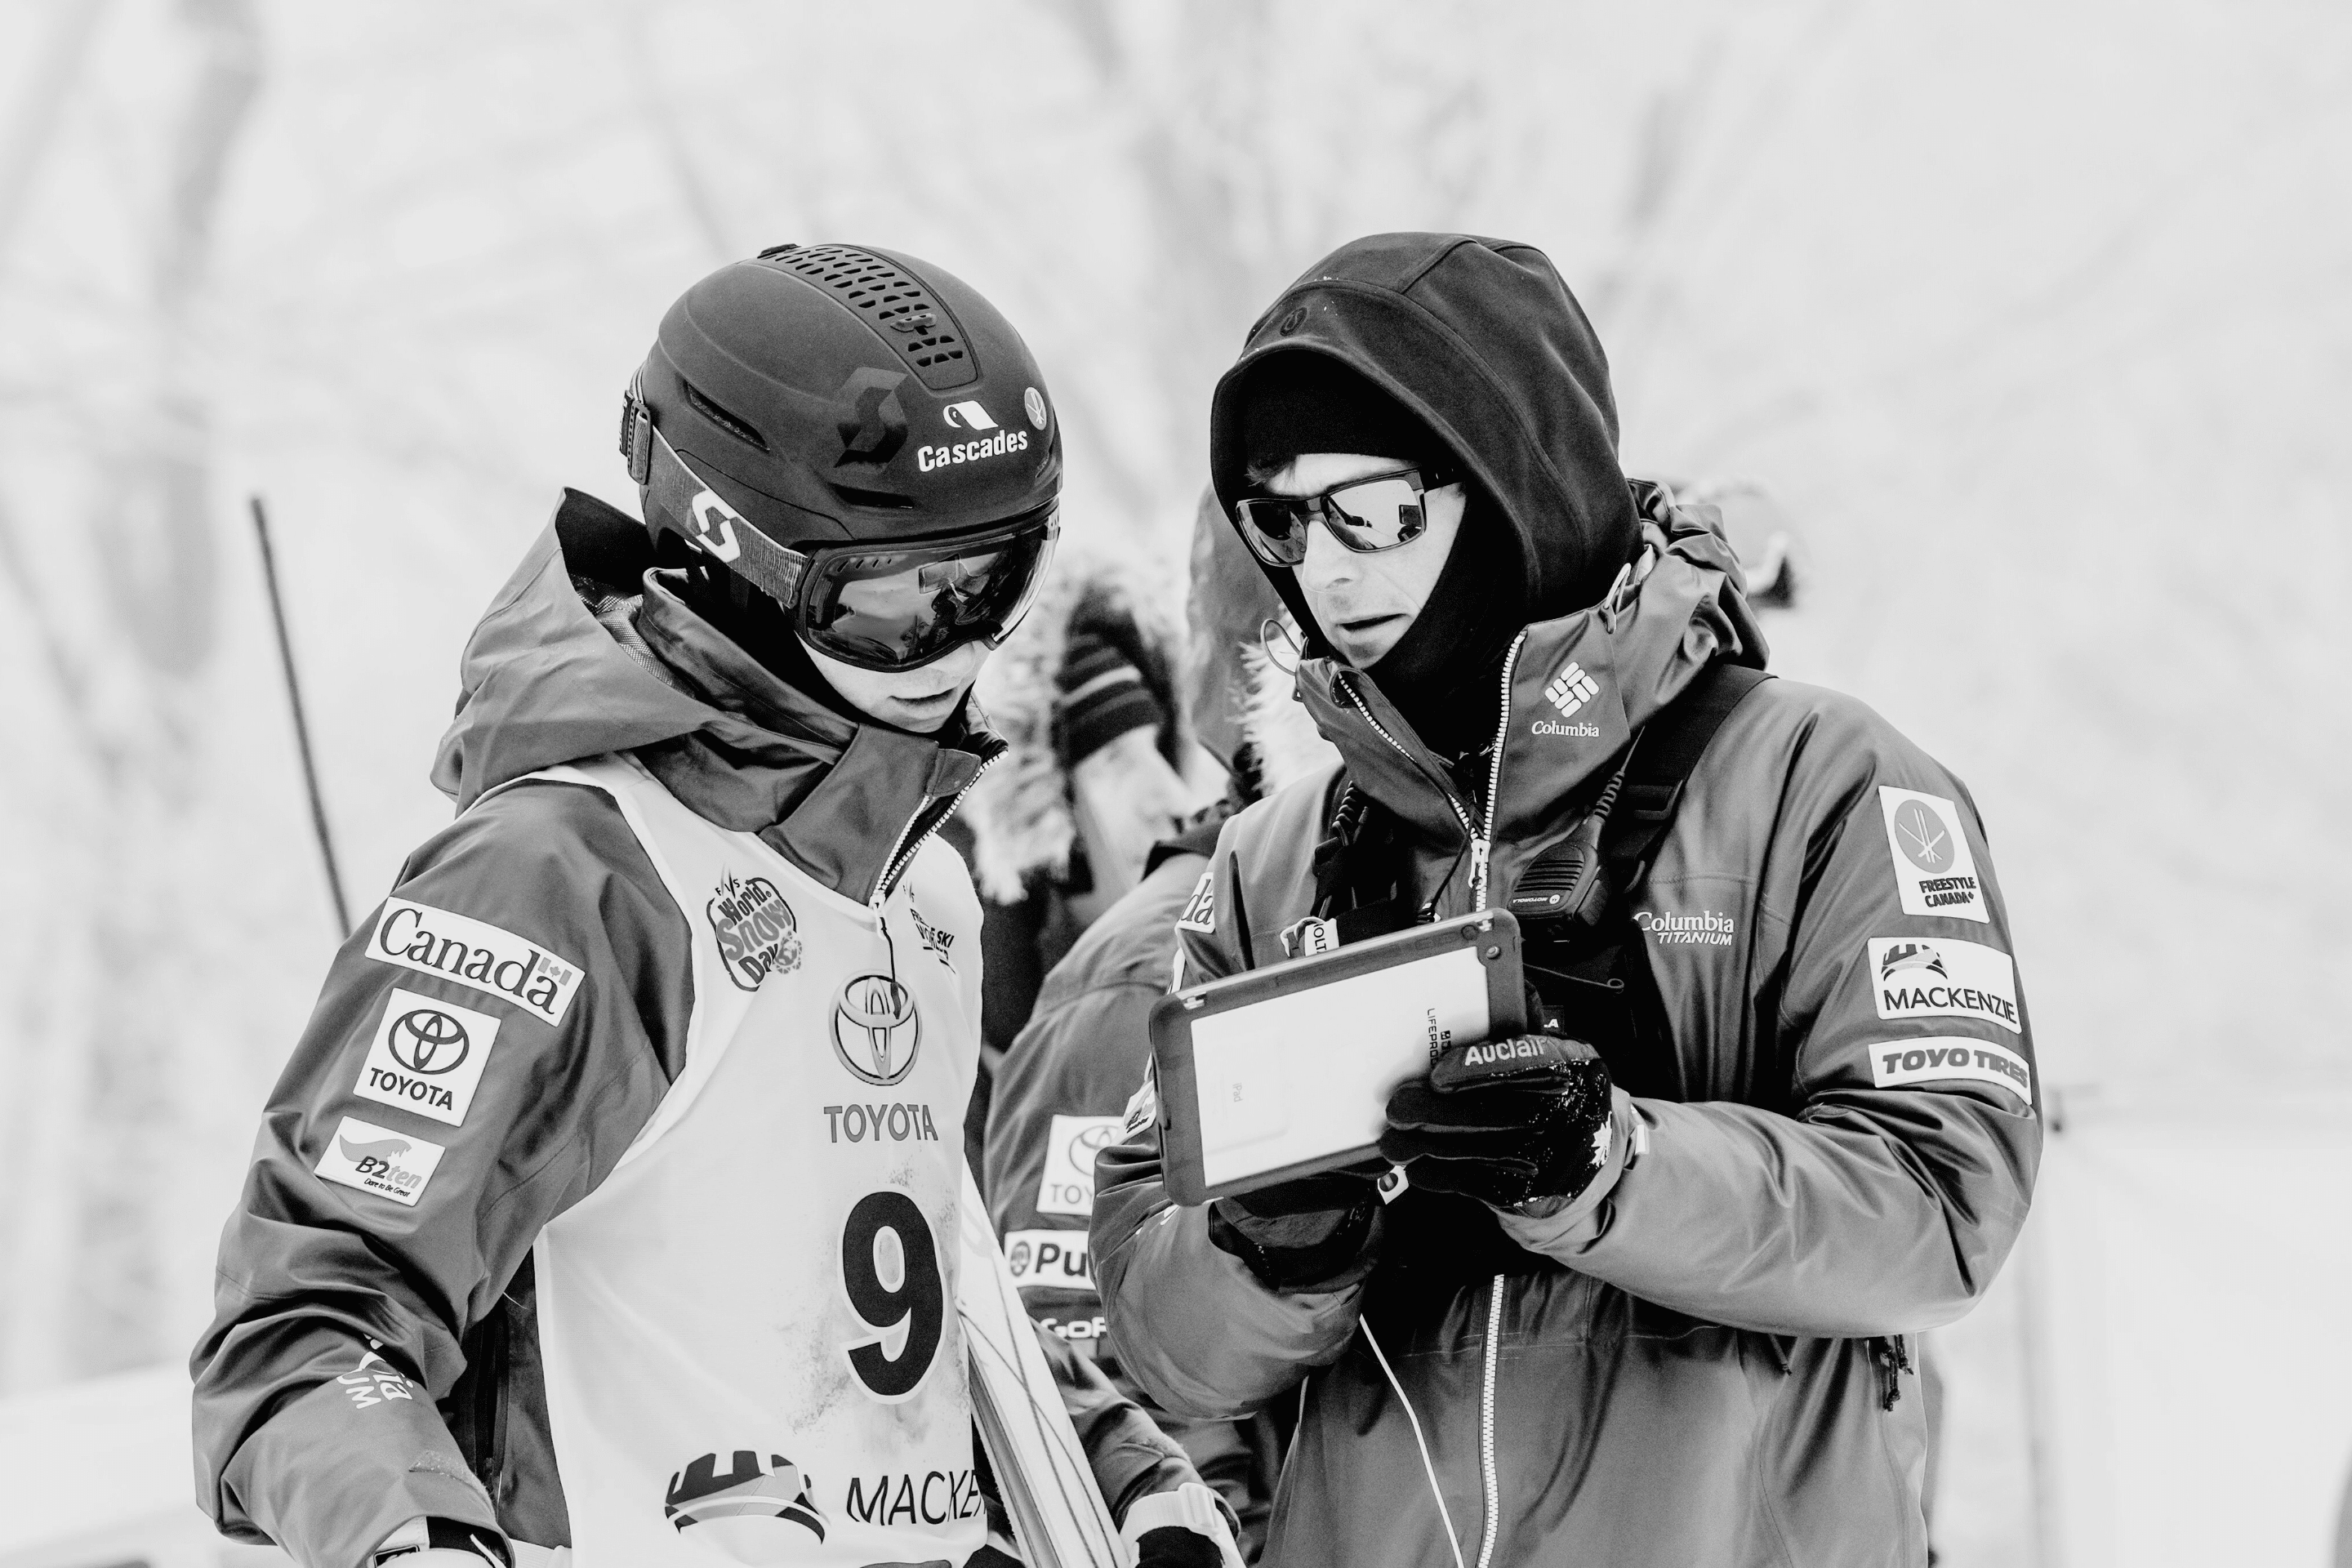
<point x="1935" y="872"/>
<point x="427" y="1057"/>
<point x="477" y="953"/>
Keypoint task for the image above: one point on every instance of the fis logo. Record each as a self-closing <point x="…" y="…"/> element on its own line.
<point x="876" y="1032"/>
<point x="753" y="1513"/>
<point x="968" y="417"/>
<point x="1570" y="689"/>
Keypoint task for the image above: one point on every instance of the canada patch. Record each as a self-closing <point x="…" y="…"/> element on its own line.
<point x="1201" y="910"/>
<point x="1935" y="872"/>
<point x="474" y="952"/>
<point x="757" y="932"/>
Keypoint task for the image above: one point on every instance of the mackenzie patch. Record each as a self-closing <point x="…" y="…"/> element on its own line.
<point x="427" y="1057"/>
<point x="378" y="1160"/>
<point x="757" y="931"/>
<point x="477" y="953"/>
<point x="1934" y="870"/>
<point x="1922" y="977"/>
<point x="1896" y="1064"/>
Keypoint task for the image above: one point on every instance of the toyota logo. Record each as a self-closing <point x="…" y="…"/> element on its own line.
<point x="429" y="1041"/>
<point x="875" y="1030"/>
<point x="1089" y="1142"/>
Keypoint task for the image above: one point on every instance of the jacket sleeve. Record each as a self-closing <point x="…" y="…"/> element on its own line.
<point x="1195" y="1329"/>
<point x="1130" y="1457"/>
<point x="1887" y="1200"/>
<point x="387" y="1206"/>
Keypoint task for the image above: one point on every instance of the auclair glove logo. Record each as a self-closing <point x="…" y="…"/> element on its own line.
<point x="757" y="931"/>
<point x="876" y="1032"/>
<point x="751" y="1511"/>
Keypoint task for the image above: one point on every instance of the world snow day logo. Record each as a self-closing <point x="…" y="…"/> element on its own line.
<point x="757" y="932"/>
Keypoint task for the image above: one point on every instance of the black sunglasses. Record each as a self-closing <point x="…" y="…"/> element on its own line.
<point x="1378" y="511"/>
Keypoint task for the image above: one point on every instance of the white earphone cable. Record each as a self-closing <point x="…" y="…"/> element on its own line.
<point x="1427" y="1468"/>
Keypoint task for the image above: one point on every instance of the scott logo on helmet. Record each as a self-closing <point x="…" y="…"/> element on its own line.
<point x="876" y="1032"/>
<point x="714" y="525"/>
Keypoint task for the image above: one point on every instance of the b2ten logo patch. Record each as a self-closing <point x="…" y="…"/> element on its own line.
<point x="427" y="1057"/>
<point x="1935" y="872"/>
<point x="380" y="1161"/>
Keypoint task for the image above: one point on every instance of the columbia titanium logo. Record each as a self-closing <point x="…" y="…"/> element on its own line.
<point x="1570" y="689"/>
<point x="875" y="1029"/>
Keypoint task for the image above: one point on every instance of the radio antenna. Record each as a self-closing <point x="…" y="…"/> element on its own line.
<point x="301" y="723"/>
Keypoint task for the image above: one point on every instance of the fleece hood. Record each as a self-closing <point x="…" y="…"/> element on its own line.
<point x="588" y="650"/>
<point x="1481" y="341"/>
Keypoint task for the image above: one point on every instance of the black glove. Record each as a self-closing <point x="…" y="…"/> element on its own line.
<point x="1172" y="1546"/>
<point x="1506" y="1121"/>
<point x="1300" y="1233"/>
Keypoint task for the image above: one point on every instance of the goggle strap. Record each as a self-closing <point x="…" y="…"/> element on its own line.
<point x="711" y="525"/>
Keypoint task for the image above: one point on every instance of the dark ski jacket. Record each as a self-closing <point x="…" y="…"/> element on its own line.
<point x="583" y="652"/>
<point x="1824" y="1075"/>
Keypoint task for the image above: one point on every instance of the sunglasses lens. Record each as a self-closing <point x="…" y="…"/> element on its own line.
<point x="1275" y="530"/>
<point x="1379" y="514"/>
<point x="899" y="608"/>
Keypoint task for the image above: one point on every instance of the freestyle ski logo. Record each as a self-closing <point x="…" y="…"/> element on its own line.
<point x="758" y="934"/>
<point x="1935" y="874"/>
<point x="752" y="1511"/>
<point x="427" y="1057"/>
<point x="1945" y="978"/>
<point x="936" y="942"/>
<point x="876" y="1032"/>
<point x="477" y="953"/>
<point x="1032" y="403"/>
<point x="378" y="1160"/>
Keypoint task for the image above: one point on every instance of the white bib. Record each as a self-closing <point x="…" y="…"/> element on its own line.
<point x="748" y="1331"/>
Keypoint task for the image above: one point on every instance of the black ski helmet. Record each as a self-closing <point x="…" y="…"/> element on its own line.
<point x="828" y="414"/>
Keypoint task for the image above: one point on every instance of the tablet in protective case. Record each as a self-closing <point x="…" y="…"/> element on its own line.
<point x="1286" y="1070"/>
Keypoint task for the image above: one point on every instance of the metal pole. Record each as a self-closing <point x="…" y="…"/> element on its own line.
<point x="302" y="723"/>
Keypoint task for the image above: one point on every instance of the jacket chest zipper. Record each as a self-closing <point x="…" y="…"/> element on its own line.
<point x="902" y="854"/>
<point x="1481" y="837"/>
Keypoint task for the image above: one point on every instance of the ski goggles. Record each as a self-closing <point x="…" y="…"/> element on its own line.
<point x="1377" y="512"/>
<point x="886" y="605"/>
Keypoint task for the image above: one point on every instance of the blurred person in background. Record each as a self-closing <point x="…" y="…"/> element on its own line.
<point x="609" y="1200"/>
<point x="1083" y="694"/>
<point x="1066" y="1083"/>
<point x="1647" y="1294"/>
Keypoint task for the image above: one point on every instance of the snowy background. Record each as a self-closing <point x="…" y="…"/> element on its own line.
<point x="2036" y="317"/>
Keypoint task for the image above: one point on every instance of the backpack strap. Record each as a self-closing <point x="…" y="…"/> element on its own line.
<point x="1672" y="744"/>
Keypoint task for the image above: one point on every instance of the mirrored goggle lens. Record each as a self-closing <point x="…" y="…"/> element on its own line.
<point x="896" y="609"/>
<point x="1377" y="514"/>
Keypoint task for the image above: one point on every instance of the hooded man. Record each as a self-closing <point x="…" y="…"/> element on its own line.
<point x="608" y="1207"/>
<point x="1646" y="1295"/>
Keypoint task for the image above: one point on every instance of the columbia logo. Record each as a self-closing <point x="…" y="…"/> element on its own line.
<point x="1570" y="689"/>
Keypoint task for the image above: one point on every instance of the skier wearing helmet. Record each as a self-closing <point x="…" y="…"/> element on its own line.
<point x="1648" y="1291"/>
<point x="609" y="1204"/>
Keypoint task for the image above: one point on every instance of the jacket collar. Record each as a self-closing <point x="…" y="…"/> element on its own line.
<point x="845" y="802"/>
<point x="1574" y="691"/>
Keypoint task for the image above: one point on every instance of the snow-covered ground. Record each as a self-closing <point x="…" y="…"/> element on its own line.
<point x="2035" y="316"/>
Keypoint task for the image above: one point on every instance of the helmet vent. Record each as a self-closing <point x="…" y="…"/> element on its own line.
<point x="735" y="424"/>
<point x="909" y="319"/>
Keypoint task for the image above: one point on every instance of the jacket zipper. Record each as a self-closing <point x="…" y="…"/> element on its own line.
<point x="1486" y="1419"/>
<point x="1482" y="848"/>
<point x="1461" y="812"/>
<point x="902" y="854"/>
